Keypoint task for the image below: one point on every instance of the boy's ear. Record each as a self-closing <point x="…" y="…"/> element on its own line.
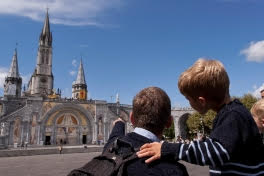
<point x="131" y="116"/>
<point x="202" y="101"/>
<point x="169" y="123"/>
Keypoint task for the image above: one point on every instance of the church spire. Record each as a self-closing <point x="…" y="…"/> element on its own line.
<point x="80" y="77"/>
<point x="13" y="82"/>
<point x="41" y="81"/>
<point x="79" y="87"/>
<point x="46" y="36"/>
<point x="13" y="71"/>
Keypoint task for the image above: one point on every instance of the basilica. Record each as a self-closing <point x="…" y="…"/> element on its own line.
<point x="38" y="115"/>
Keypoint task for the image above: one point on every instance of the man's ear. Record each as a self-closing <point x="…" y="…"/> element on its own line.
<point x="169" y="123"/>
<point x="131" y="116"/>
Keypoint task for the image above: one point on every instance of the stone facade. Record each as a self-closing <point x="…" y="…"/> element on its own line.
<point x="51" y="122"/>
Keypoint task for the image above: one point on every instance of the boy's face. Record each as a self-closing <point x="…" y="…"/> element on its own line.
<point x="199" y="104"/>
<point x="260" y="123"/>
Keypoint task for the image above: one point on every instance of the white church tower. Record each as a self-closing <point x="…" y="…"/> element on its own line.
<point x="79" y="87"/>
<point x="41" y="82"/>
<point x="13" y="82"/>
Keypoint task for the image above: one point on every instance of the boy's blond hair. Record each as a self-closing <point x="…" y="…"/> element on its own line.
<point x="257" y="109"/>
<point x="207" y="78"/>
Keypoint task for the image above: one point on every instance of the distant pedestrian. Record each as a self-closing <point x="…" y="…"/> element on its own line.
<point x="22" y="145"/>
<point x="60" y="149"/>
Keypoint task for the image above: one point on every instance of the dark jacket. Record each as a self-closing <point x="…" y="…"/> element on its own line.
<point x="138" y="167"/>
<point x="233" y="148"/>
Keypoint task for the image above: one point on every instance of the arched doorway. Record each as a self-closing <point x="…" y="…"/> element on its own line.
<point x="67" y="129"/>
<point x="183" y="126"/>
<point x="68" y="124"/>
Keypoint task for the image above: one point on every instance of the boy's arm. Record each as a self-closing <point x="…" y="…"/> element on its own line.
<point x="117" y="131"/>
<point x="208" y="152"/>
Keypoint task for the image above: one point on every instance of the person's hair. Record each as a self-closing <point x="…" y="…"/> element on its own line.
<point x="151" y="109"/>
<point x="257" y="109"/>
<point x="207" y="78"/>
<point x="262" y="91"/>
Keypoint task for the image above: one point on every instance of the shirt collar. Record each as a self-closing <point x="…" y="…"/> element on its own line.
<point x="147" y="134"/>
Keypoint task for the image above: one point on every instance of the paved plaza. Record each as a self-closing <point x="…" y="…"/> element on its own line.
<point x="59" y="165"/>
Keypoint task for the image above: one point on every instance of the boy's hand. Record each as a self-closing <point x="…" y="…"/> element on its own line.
<point x="152" y="149"/>
<point x="118" y="120"/>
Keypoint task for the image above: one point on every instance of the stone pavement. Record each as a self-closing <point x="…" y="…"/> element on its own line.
<point x="40" y="150"/>
<point x="60" y="165"/>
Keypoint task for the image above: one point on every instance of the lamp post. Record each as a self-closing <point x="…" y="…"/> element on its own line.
<point x="201" y="122"/>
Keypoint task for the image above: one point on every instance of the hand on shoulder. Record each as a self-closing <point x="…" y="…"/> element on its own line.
<point x="152" y="150"/>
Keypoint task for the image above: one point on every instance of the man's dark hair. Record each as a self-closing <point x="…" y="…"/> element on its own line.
<point x="151" y="109"/>
<point x="262" y="91"/>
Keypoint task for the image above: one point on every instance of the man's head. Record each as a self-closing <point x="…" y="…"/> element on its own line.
<point x="151" y="110"/>
<point x="205" y="84"/>
<point x="257" y="112"/>
<point x="262" y="93"/>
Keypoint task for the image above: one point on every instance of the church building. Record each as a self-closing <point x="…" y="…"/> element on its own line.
<point x="38" y="115"/>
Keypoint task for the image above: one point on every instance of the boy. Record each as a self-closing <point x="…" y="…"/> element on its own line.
<point x="257" y="112"/>
<point x="234" y="143"/>
<point x="151" y="113"/>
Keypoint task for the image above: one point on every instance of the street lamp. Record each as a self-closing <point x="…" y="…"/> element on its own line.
<point x="201" y="122"/>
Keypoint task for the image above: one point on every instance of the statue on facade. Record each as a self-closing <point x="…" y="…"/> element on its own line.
<point x="2" y="129"/>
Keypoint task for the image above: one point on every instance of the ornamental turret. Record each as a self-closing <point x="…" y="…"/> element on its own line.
<point x="13" y="81"/>
<point x="79" y="87"/>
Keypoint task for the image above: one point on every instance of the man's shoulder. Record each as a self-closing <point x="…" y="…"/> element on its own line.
<point x="159" y="167"/>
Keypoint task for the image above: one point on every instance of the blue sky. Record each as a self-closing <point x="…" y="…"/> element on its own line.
<point x="127" y="45"/>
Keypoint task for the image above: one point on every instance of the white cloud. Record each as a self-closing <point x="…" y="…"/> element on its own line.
<point x="3" y="74"/>
<point x="255" y="51"/>
<point x="74" y="63"/>
<point x="256" y="91"/>
<point x="72" y="73"/>
<point x="67" y="12"/>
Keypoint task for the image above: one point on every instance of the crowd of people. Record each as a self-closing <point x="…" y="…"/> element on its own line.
<point x="234" y="146"/>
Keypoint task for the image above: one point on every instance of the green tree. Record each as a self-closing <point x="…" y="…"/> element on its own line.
<point x="248" y="100"/>
<point x="169" y="133"/>
<point x="204" y="123"/>
<point x="200" y="123"/>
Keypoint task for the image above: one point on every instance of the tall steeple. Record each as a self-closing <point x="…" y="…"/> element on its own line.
<point x="13" y="82"/>
<point x="45" y="37"/>
<point x="41" y="82"/>
<point x="80" y="77"/>
<point x="79" y="87"/>
<point x="13" y="71"/>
